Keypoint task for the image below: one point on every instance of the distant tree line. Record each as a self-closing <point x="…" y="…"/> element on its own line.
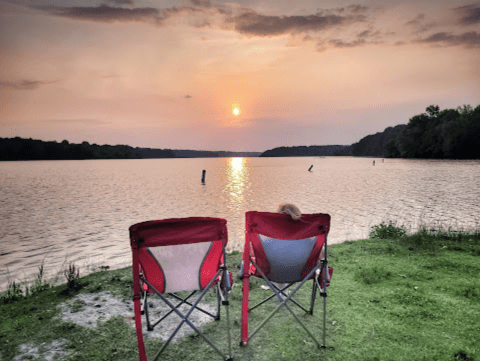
<point x="446" y="134"/>
<point x="375" y="145"/>
<point x="310" y="151"/>
<point x="32" y="149"/>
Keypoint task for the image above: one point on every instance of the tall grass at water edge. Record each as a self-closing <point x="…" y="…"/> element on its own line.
<point x="394" y="296"/>
<point x="18" y="290"/>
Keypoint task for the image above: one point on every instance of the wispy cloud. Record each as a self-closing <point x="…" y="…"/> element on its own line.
<point x="188" y="96"/>
<point x="24" y="84"/>
<point x="78" y="121"/>
<point x="252" y="23"/>
<point x="469" y="39"/>
<point x="104" y="13"/>
<point x="121" y="2"/>
<point x="337" y="43"/>
<point x="246" y="21"/>
<point x="357" y="8"/>
<point x="343" y="27"/>
<point x="469" y="14"/>
<point x="418" y="20"/>
<point x="419" y="24"/>
<point x="203" y="3"/>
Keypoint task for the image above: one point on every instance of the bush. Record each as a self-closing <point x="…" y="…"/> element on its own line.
<point x="387" y="231"/>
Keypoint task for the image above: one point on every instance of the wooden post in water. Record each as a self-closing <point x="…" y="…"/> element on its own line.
<point x="203" y="176"/>
<point x="310" y="169"/>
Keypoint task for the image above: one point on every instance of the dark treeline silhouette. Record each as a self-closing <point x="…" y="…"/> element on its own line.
<point x="32" y="149"/>
<point x="185" y="153"/>
<point x="310" y="151"/>
<point x="375" y="145"/>
<point x="446" y="134"/>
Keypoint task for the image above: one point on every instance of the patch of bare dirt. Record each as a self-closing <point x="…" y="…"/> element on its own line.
<point x="47" y="352"/>
<point x="87" y="309"/>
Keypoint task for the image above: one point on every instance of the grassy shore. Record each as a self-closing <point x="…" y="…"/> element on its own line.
<point x="405" y="297"/>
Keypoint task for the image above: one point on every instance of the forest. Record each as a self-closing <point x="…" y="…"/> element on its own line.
<point x="31" y="149"/>
<point x="439" y="134"/>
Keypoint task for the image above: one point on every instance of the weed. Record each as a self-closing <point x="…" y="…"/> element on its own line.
<point x="387" y="231"/>
<point x="77" y="305"/>
<point x="72" y="274"/>
<point x="39" y="284"/>
<point x="13" y="293"/>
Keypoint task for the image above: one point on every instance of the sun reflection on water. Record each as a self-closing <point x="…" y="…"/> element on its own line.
<point x="237" y="175"/>
<point x="236" y="192"/>
<point x="237" y="164"/>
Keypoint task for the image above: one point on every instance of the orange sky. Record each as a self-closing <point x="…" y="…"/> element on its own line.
<point x="166" y="74"/>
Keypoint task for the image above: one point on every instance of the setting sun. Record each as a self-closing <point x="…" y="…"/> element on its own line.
<point x="236" y="111"/>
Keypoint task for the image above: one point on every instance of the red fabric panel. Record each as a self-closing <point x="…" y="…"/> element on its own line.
<point x="282" y="226"/>
<point x="179" y="231"/>
<point x="313" y="258"/>
<point x="152" y="271"/>
<point x="259" y="255"/>
<point x="211" y="264"/>
<point x="322" y="276"/>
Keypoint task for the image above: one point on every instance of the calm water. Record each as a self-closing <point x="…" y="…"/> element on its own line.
<point x="80" y="211"/>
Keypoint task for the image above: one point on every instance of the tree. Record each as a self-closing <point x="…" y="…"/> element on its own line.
<point x="433" y="110"/>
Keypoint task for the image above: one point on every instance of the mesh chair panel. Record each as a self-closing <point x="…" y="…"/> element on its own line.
<point x="181" y="265"/>
<point x="286" y="258"/>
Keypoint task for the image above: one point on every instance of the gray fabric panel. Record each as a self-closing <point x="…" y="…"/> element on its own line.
<point x="286" y="257"/>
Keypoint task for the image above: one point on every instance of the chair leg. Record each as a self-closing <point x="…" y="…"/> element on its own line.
<point x="227" y="287"/>
<point x="185" y="319"/>
<point x="137" y="305"/>
<point x="218" y="292"/>
<point x="314" y="295"/>
<point x="145" y="308"/>
<point x="246" y="289"/>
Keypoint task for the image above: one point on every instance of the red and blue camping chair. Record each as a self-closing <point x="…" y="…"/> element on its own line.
<point x="174" y="256"/>
<point x="280" y="249"/>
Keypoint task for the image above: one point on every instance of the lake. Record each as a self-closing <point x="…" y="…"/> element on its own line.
<point x="80" y="211"/>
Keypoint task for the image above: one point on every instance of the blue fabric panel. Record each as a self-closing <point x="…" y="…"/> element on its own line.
<point x="286" y="257"/>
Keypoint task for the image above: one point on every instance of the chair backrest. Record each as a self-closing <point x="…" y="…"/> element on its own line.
<point x="181" y="254"/>
<point x="286" y="250"/>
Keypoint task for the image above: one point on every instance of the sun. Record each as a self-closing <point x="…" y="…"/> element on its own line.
<point x="235" y="109"/>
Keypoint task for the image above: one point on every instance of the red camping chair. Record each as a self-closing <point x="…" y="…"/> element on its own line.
<point x="177" y="255"/>
<point x="280" y="249"/>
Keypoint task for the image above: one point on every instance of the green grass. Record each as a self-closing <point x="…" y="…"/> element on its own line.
<point x="416" y="297"/>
